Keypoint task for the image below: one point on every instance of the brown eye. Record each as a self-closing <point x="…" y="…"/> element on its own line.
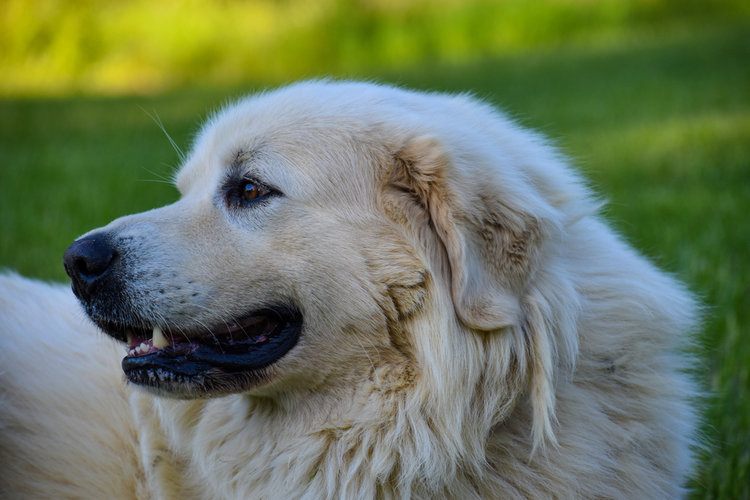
<point x="252" y="191"/>
<point x="247" y="192"/>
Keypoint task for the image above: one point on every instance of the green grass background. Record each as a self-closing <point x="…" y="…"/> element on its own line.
<point x="652" y="102"/>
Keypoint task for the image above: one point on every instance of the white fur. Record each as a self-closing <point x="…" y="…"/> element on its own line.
<point x="473" y="328"/>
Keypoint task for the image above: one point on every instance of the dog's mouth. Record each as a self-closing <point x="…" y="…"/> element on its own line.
<point x="209" y="361"/>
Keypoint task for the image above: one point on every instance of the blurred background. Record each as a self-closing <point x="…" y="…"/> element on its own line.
<point x="650" y="98"/>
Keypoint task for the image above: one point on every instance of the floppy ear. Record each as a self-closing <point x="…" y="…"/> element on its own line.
<point x="493" y="232"/>
<point x="491" y="246"/>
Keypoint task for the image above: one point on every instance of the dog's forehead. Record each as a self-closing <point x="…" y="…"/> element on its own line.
<point x="283" y="132"/>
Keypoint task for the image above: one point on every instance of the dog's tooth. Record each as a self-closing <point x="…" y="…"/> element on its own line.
<point x="158" y="339"/>
<point x="144" y="347"/>
<point x="130" y="336"/>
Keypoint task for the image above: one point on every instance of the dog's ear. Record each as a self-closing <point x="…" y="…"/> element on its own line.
<point x="491" y="245"/>
<point x="494" y="228"/>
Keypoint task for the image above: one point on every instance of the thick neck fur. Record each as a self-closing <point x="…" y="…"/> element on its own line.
<point x="470" y="416"/>
<point x="394" y="432"/>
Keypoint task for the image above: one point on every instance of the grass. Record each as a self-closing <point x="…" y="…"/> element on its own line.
<point x="661" y="126"/>
<point x="57" y="46"/>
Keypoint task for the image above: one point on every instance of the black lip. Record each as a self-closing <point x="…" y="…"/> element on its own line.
<point x="207" y="366"/>
<point x="194" y="359"/>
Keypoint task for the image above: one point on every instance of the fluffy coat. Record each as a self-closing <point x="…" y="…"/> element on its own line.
<point x="477" y="332"/>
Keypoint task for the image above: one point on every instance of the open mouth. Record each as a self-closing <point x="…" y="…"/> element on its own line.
<point x="209" y="361"/>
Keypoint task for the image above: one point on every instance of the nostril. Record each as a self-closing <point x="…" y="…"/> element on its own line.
<point x="91" y="268"/>
<point x="80" y="266"/>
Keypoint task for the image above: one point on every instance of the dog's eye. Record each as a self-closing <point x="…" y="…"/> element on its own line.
<point x="252" y="191"/>
<point x="248" y="192"/>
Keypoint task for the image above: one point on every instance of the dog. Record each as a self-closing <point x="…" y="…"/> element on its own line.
<point x="361" y="292"/>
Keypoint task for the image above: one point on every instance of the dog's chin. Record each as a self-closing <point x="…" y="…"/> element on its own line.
<point x="210" y="362"/>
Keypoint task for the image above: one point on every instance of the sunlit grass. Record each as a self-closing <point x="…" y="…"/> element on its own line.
<point x="661" y="126"/>
<point x="59" y="46"/>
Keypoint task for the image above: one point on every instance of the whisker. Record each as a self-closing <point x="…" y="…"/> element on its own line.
<point x="155" y="117"/>
<point x="372" y="365"/>
<point x="158" y="181"/>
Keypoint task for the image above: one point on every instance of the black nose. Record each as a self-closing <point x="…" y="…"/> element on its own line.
<point x="87" y="261"/>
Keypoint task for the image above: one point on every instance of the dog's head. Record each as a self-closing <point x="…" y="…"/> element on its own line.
<point x="326" y="230"/>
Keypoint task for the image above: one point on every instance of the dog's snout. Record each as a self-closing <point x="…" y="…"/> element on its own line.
<point x="87" y="261"/>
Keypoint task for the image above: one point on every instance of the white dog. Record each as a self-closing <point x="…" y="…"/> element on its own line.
<point x="362" y="292"/>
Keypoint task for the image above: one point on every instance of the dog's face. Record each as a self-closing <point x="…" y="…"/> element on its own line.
<point x="258" y="274"/>
<point x="307" y="235"/>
